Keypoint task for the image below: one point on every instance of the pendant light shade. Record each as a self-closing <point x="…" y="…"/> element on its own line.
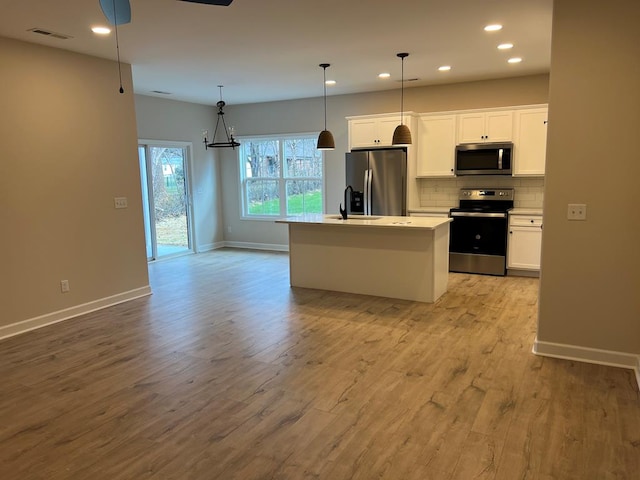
<point x="402" y="134"/>
<point x="325" y="139"/>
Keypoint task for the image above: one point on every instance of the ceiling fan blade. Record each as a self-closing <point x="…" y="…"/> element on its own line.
<point x="118" y="12"/>
<point x="222" y="3"/>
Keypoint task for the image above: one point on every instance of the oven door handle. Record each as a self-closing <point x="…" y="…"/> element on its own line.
<point x="479" y="214"/>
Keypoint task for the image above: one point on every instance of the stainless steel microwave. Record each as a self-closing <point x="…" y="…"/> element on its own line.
<point x="484" y="159"/>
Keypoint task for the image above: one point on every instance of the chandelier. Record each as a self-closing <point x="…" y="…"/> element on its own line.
<point x="231" y="142"/>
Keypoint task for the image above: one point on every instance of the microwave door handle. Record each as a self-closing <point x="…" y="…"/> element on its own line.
<point x="500" y="150"/>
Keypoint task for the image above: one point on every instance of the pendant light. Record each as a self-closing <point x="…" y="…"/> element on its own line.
<point x="231" y="142"/>
<point x="325" y="139"/>
<point x="402" y="134"/>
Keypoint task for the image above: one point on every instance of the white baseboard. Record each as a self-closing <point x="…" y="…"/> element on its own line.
<point x="258" y="246"/>
<point x="589" y="355"/>
<point x="207" y="247"/>
<point x="71" y="312"/>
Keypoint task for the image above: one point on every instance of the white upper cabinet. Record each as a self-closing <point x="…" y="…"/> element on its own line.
<point x="530" y="142"/>
<point x="436" y="145"/>
<point x="480" y="127"/>
<point x="373" y="131"/>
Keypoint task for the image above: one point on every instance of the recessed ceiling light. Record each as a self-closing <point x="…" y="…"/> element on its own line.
<point x="101" y="30"/>
<point x="514" y="60"/>
<point x="492" y="28"/>
<point x="384" y="75"/>
<point x="444" y="68"/>
<point x="505" y="46"/>
<point x="330" y="82"/>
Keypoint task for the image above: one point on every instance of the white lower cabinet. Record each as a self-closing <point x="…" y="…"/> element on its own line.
<point x="525" y="242"/>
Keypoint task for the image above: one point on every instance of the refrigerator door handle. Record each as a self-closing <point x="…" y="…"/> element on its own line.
<point x="369" y="193"/>
<point x="366" y="192"/>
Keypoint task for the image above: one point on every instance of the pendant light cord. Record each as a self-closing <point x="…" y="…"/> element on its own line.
<point x="115" y="20"/>
<point x="324" y="70"/>
<point x="402" y="93"/>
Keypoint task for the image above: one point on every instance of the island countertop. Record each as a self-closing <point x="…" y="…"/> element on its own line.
<point x="426" y="223"/>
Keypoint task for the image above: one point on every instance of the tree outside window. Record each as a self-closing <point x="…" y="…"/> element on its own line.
<point x="281" y="176"/>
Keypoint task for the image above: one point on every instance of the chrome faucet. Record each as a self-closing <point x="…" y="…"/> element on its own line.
<point x="343" y="211"/>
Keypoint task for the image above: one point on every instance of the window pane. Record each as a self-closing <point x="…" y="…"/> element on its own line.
<point x="304" y="196"/>
<point x="262" y="158"/>
<point x="263" y="197"/>
<point x="302" y="158"/>
<point x="281" y="175"/>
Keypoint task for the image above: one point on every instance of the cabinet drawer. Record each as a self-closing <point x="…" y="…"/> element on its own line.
<point x="525" y="221"/>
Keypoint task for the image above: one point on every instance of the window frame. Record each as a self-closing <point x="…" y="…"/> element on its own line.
<point x="281" y="179"/>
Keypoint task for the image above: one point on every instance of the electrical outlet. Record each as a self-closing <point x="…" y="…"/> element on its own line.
<point x="120" y="202"/>
<point x="577" y="211"/>
<point x="64" y="286"/>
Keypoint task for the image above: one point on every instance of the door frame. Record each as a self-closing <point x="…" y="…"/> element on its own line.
<point x="188" y="164"/>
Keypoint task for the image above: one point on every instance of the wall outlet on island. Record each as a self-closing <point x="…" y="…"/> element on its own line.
<point x="64" y="286"/>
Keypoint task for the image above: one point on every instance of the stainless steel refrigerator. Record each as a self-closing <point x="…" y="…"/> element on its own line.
<point x="379" y="181"/>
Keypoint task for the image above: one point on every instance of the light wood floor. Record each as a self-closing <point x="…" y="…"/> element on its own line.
<point x="225" y="372"/>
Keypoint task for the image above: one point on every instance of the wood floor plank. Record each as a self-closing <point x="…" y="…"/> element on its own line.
<point x="227" y="372"/>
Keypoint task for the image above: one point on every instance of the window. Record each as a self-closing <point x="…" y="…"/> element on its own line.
<point x="280" y="176"/>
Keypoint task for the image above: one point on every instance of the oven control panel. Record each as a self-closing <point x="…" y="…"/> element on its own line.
<point x="486" y="194"/>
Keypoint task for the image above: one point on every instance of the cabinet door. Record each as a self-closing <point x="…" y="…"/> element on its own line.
<point x="530" y="142"/>
<point x="471" y="127"/>
<point x="436" y="146"/>
<point x="373" y="131"/>
<point x="386" y="127"/>
<point x="499" y="127"/>
<point x="363" y="133"/>
<point x="523" y="250"/>
<point x="485" y="127"/>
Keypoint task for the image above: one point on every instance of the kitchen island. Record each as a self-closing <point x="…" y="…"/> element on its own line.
<point x="395" y="257"/>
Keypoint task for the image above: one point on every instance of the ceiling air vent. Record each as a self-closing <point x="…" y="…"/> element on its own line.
<point x="160" y="92"/>
<point x="49" y="33"/>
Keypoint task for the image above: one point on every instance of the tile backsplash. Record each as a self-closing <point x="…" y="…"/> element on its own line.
<point x="443" y="192"/>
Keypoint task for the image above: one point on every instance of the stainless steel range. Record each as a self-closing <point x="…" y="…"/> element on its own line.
<point x="478" y="235"/>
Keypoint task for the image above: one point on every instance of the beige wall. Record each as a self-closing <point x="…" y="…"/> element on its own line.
<point x="169" y="120"/>
<point x="68" y="148"/>
<point x="590" y="285"/>
<point x="306" y="115"/>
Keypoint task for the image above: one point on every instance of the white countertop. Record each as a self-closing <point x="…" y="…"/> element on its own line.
<point x="425" y="223"/>
<point x="525" y="211"/>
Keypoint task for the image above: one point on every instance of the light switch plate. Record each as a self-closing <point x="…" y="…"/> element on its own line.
<point x="120" y="202"/>
<point x="577" y="211"/>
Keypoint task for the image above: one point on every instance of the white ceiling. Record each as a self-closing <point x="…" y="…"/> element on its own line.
<point x="264" y="50"/>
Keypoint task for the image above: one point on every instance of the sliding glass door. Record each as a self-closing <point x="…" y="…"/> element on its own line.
<point x="165" y="187"/>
